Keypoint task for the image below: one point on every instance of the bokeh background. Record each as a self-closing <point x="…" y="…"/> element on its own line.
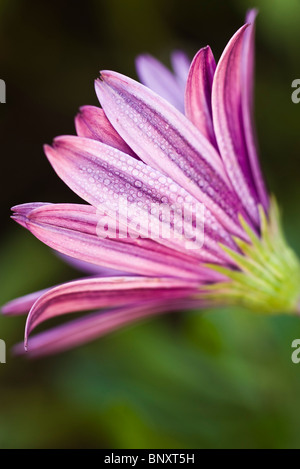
<point x="213" y="379"/>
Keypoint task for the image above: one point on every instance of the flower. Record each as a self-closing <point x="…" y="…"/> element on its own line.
<point x="189" y="141"/>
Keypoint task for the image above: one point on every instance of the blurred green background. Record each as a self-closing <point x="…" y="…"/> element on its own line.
<point x="218" y="379"/>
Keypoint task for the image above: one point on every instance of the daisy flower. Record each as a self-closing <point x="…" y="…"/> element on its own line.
<point x="176" y="214"/>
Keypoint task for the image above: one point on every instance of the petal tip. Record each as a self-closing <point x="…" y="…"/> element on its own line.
<point x="48" y="149"/>
<point x="251" y="15"/>
<point x="6" y="309"/>
<point x="19" y="350"/>
<point x="22" y="220"/>
<point x="21" y="212"/>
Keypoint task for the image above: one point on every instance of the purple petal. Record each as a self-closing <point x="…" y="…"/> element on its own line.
<point x="21" y="305"/>
<point x="24" y="209"/>
<point x="226" y="106"/>
<point x="247" y="72"/>
<point x="181" y="64"/>
<point x="91" y="122"/>
<point x="72" y="230"/>
<point x="89" y="268"/>
<point x="198" y="93"/>
<point x="89" y="328"/>
<point x="158" y="78"/>
<point x="106" y="178"/>
<point x="94" y="293"/>
<point x="168" y="141"/>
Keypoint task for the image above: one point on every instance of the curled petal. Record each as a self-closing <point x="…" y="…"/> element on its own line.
<point x="94" y="293"/>
<point x="247" y="72"/>
<point x="95" y="325"/>
<point x="226" y="107"/>
<point x="21" y="305"/>
<point x="198" y="93"/>
<point x="90" y="327"/>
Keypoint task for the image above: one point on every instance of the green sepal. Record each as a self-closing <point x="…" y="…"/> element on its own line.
<point x="266" y="272"/>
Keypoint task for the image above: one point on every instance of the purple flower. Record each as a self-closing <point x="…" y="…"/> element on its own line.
<point x="184" y="139"/>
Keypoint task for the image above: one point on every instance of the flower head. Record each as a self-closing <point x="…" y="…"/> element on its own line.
<point x="154" y="157"/>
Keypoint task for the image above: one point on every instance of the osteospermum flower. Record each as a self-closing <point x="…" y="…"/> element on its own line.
<point x="184" y="140"/>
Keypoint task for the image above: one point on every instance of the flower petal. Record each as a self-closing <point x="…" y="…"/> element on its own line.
<point x="247" y="72"/>
<point x="166" y="140"/>
<point x="22" y="304"/>
<point x="128" y="189"/>
<point x="91" y="122"/>
<point x="89" y="268"/>
<point x="89" y="328"/>
<point x="73" y="230"/>
<point x="198" y="93"/>
<point x="160" y="79"/>
<point x="226" y="107"/>
<point x="23" y="210"/>
<point x="181" y="64"/>
<point x="94" y="293"/>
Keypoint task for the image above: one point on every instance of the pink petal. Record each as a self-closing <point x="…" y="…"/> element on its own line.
<point x="198" y="93"/>
<point x="106" y="178"/>
<point x="89" y="268"/>
<point x="24" y="209"/>
<point x="247" y="72"/>
<point x="226" y="107"/>
<point x="88" y="328"/>
<point x="158" y="78"/>
<point x="168" y="141"/>
<point x="21" y="305"/>
<point x="94" y="293"/>
<point x="72" y="230"/>
<point x="91" y="122"/>
<point x="181" y="64"/>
